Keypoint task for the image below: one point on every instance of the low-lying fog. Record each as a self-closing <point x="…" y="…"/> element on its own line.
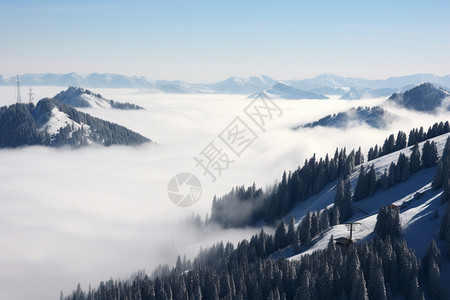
<point x="86" y="215"/>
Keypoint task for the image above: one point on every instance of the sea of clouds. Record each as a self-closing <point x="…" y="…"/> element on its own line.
<point x="87" y="215"/>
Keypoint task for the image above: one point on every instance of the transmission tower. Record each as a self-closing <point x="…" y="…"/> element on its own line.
<point x="351" y="228"/>
<point x="19" y="98"/>
<point x="30" y="95"/>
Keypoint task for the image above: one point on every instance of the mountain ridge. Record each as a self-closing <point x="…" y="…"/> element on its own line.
<point x="376" y="117"/>
<point x="232" y="85"/>
<point x="285" y="91"/>
<point x="81" y="98"/>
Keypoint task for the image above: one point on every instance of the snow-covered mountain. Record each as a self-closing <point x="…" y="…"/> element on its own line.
<point x="99" y="80"/>
<point x="243" y="85"/>
<point x="284" y="91"/>
<point x="332" y="80"/>
<point x="425" y="97"/>
<point x="326" y="80"/>
<point x="79" y="97"/>
<point x="328" y="84"/>
<point x="330" y="90"/>
<point x="52" y="123"/>
<point x="375" y="117"/>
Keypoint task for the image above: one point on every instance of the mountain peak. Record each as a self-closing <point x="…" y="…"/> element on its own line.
<point x="375" y="117"/>
<point x="424" y="97"/>
<point x="83" y="98"/>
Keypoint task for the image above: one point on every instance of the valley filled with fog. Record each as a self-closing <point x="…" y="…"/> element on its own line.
<point x="84" y="215"/>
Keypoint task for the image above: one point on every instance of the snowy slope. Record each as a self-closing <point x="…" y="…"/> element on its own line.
<point x="79" y="97"/>
<point x="418" y="226"/>
<point x="60" y="124"/>
<point x="58" y="120"/>
<point x="95" y="101"/>
<point x="82" y="98"/>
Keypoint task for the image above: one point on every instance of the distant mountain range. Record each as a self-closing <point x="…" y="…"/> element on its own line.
<point x="327" y="84"/>
<point x="331" y="80"/>
<point x="242" y="85"/>
<point x="52" y="123"/>
<point x="79" y="97"/>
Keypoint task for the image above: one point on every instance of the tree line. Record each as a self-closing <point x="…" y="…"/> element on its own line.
<point x="383" y="268"/>
<point x="416" y="135"/>
<point x="442" y="180"/>
<point x="247" y="206"/>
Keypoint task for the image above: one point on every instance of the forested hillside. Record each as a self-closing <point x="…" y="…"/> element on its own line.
<point x="246" y="206"/>
<point x="52" y="123"/>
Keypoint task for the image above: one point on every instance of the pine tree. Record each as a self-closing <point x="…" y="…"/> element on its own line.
<point x="384" y="180"/>
<point x="392" y="174"/>
<point x="414" y="160"/>
<point x="400" y="142"/>
<point x="314" y="224"/>
<point x="305" y="230"/>
<point x="402" y="170"/>
<point x="335" y="216"/>
<point x="372" y="180"/>
<point x="429" y="154"/>
<point x="438" y="176"/>
<point x="306" y="289"/>
<point x="389" y="145"/>
<point x="280" y="239"/>
<point x="343" y="200"/>
<point x="358" y="290"/>
<point x="376" y="285"/>
<point x="324" y="283"/>
<point x="361" y="188"/>
<point x="388" y="222"/>
<point x="442" y="172"/>
<point x="446" y="194"/>
<point x="445" y="221"/>
<point x="292" y="233"/>
<point x="324" y="223"/>
<point x="359" y="157"/>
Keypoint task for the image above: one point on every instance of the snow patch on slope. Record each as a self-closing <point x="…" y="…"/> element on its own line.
<point x="95" y="102"/>
<point x="58" y="120"/>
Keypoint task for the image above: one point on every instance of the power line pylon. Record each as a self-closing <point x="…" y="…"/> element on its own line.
<point x="18" y="96"/>
<point x="30" y="95"/>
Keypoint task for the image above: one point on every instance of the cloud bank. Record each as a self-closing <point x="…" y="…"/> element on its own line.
<point x="86" y="215"/>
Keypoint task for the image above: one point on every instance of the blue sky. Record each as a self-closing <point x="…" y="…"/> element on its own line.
<point x="205" y="41"/>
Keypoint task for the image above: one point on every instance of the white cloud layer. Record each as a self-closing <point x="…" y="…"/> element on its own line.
<point x="69" y="216"/>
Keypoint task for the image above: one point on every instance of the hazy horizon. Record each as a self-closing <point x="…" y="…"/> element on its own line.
<point x="9" y="75"/>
